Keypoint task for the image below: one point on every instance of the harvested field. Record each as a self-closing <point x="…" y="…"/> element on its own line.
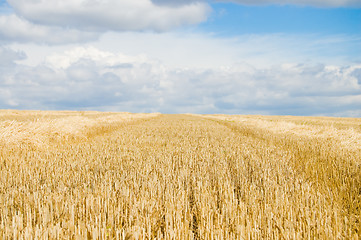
<point x="79" y="175"/>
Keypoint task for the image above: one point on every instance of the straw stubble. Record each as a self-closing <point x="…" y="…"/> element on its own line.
<point x="129" y="176"/>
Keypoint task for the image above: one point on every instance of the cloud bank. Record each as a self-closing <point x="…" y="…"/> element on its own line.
<point x="107" y="15"/>
<point x="198" y="73"/>
<point x="88" y="78"/>
<point x="79" y="21"/>
<point x="17" y="29"/>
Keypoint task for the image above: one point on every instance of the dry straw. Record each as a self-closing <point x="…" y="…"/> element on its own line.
<point x="91" y="175"/>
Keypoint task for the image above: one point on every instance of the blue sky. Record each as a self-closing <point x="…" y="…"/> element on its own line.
<point x="298" y="57"/>
<point x="235" y="19"/>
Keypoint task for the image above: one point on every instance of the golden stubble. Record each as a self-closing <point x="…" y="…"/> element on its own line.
<point x="98" y="175"/>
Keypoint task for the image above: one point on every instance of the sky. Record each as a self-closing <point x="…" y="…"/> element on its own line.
<point x="269" y="57"/>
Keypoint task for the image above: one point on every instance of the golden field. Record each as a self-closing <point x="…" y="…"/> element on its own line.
<point x="93" y="175"/>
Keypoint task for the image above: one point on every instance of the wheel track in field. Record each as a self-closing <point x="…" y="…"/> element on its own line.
<point x="200" y="149"/>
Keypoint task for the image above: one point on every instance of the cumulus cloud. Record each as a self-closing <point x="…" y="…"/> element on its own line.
<point x="78" y="79"/>
<point x="63" y="22"/>
<point x="106" y="15"/>
<point x="17" y="29"/>
<point x="8" y="57"/>
<point x="89" y="78"/>
<point x="79" y="21"/>
<point x="357" y="74"/>
<point x="174" y="2"/>
<point x="102" y="58"/>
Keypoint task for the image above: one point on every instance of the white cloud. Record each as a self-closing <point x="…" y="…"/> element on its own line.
<point x="80" y="21"/>
<point x="174" y="2"/>
<point x="192" y="50"/>
<point x="9" y="57"/>
<point x="102" y="58"/>
<point x="106" y="15"/>
<point x="17" y="29"/>
<point x="180" y="71"/>
<point x="90" y="78"/>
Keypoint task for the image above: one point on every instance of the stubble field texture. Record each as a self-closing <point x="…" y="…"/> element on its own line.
<point x="92" y="175"/>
